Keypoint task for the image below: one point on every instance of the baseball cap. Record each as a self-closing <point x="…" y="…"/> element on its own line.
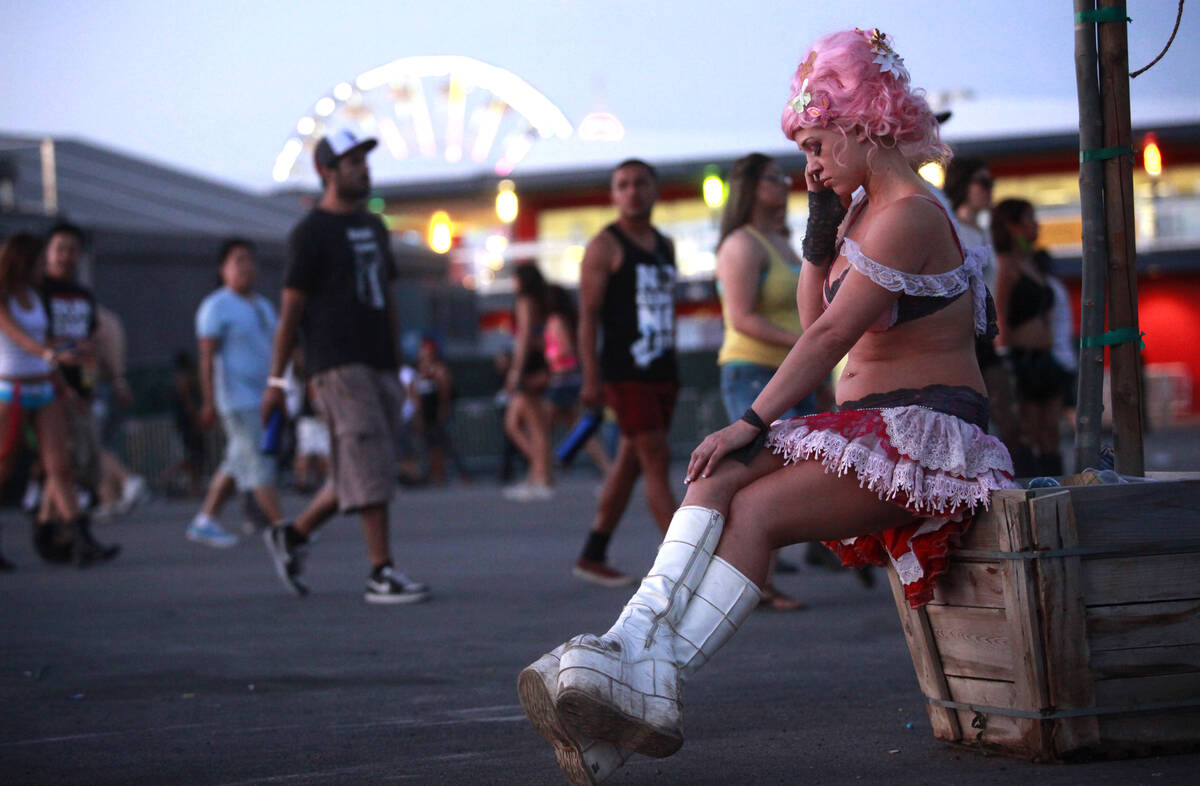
<point x="338" y="143"/>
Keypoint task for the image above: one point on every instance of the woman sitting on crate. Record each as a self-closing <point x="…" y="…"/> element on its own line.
<point x="892" y="476"/>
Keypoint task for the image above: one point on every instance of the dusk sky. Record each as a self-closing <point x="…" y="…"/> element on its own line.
<point x="215" y="88"/>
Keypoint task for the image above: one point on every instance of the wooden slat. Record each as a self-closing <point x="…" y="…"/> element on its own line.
<point x="1129" y="513"/>
<point x="1158" y="475"/>
<point x="1135" y="692"/>
<point x="923" y="647"/>
<point x="971" y="584"/>
<point x="1021" y="601"/>
<point x="1143" y="625"/>
<point x="972" y="642"/>
<point x="1002" y="730"/>
<point x="1151" y="733"/>
<point x="1145" y="661"/>
<point x="1141" y="579"/>
<point x="984" y="529"/>
<point x="992" y="693"/>
<point x="1069" y="682"/>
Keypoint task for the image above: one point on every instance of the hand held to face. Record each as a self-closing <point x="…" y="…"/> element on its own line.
<point x="825" y="214"/>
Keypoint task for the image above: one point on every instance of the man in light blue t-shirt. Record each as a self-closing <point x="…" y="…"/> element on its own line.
<point x="235" y="327"/>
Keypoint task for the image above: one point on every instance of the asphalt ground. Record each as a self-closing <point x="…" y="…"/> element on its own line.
<point x="181" y="664"/>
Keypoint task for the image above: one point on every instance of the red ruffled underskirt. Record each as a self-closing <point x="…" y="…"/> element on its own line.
<point x="934" y="465"/>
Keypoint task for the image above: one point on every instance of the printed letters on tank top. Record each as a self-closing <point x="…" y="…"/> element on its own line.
<point x="655" y="314"/>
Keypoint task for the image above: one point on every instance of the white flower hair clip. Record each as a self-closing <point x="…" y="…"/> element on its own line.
<point x="801" y="100"/>
<point x="885" y="57"/>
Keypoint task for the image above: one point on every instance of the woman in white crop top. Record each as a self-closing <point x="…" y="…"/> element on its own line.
<point x="892" y="476"/>
<point x="28" y="383"/>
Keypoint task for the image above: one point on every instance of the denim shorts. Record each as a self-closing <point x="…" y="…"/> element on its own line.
<point x="742" y="382"/>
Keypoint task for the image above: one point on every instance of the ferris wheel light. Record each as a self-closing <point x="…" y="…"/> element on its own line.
<point x="450" y="107"/>
<point x="456" y="105"/>
<point x="441" y="235"/>
<point x="485" y="129"/>
<point x="392" y="138"/>
<point x="286" y="160"/>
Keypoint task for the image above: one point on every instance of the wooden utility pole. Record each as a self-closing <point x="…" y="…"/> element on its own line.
<point x="1122" y="261"/>
<point x="1095" y="244"/>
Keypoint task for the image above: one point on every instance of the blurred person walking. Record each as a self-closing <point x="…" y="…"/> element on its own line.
<point x="1066" y="336"/>
<point x="566" y="378"/>
<point x="526" y="421"/>
<point x="185" y="407"/>
<point x="71" y="310"/>
<point x="337" y="301"/>
<point x="31" y="387"/>
<point x="1024" y="306"/>
<point x="968" y="187"/>
<point x="627" y="295"/>
<point x="434" y="388"/>
<point x="757" y="278"/>
<point x="120" y="489"/>
<point x="234" y="327"/>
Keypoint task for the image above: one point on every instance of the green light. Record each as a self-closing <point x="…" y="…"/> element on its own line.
<point x="376" y="204"/>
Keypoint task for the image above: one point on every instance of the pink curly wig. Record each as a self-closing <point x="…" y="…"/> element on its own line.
<point x="841" y="83"/>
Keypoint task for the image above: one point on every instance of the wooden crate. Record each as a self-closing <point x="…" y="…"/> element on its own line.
<point x="1068" y="624"/>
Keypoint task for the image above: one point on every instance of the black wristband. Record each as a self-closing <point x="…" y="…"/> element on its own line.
<point x="746" y="453"/>
<point x="751" y="417"/>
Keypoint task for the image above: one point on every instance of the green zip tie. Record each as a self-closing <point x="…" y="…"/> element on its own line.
<point x="1114" y="13"/>
<point x="1103" y="153"/>
<point x="1114" y="338"/>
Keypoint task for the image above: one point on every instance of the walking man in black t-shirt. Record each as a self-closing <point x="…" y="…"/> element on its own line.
<point x="337" y="300"/>
<point x="626" y="291"/>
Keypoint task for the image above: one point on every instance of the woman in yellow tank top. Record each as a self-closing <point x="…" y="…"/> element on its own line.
<point x="757" y="273"/>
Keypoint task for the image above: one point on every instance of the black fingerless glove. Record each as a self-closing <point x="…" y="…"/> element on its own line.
<point x="825" y="214"/>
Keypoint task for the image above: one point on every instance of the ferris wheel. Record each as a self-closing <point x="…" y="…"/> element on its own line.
<point x="448" y="109"/>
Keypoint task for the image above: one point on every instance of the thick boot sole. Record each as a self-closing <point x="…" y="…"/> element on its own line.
<point x="538" y="704"/>
<point x="594" y="717"/>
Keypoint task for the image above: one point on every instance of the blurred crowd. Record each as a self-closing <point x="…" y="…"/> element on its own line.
<point x="595" y="371"/>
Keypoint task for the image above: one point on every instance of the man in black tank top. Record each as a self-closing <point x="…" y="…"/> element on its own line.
<point x="627" y="305"/>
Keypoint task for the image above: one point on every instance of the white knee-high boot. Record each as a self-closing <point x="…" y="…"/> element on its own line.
<point x="624" y="662"/>
<point x="585" y="762"/>
<point x="640" y="707"/>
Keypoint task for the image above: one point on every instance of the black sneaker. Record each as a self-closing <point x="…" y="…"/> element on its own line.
<point x="287" y="549"/>
<point x="53" y="543"/>
<point x="388" y="585"/>
<point x="88" y="550"/>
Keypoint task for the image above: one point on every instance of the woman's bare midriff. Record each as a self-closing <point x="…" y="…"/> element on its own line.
<point x="935" y="350"/>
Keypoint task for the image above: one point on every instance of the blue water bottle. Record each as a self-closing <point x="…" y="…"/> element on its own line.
<point x="272" y="434"/>
<point x="581" y="432"/>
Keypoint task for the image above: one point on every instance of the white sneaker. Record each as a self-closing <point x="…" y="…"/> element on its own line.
<point x="528" y="492"/>
<point x="210" y="533"/>
<point x="133" y="491"/>
<point x="540" y="492"/>
<point x="518" y="492"/>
